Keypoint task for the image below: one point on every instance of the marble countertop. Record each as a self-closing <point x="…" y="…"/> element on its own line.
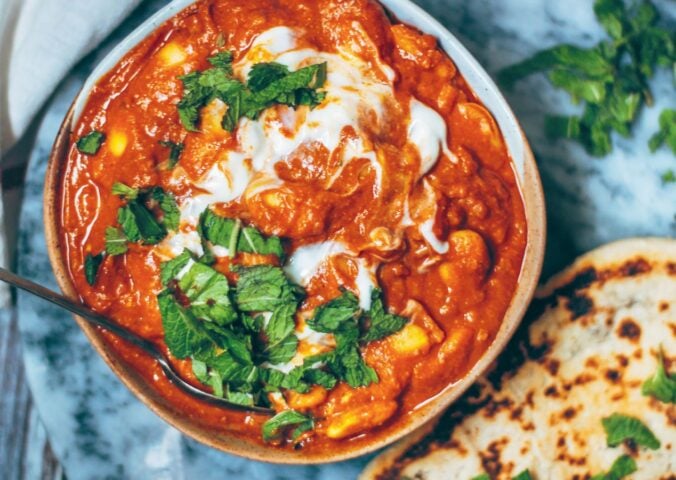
<point x="97" y="429"/>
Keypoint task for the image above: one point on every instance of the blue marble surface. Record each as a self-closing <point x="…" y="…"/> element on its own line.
<point x="99" y="430"/>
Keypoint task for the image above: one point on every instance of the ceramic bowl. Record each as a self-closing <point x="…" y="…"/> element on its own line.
<point x="529" y="183"/>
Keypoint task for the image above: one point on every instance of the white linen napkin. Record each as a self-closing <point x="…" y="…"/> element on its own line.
<point x="40" y="41"/>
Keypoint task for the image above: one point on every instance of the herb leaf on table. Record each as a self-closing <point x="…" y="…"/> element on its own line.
<point x="611" y="78"/>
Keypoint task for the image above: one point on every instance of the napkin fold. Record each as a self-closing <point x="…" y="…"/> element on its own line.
<point x="40" y="41"/>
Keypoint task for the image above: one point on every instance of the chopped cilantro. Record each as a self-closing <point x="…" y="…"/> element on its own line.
<point x="175" y="150"/>
<point x="91" y="267"/>
<point x="661" y="385"/>
<point x="610" y="78"/>
<point x="272" y="429"/>
<point x="90" y="143"/>
<point x="621" y="427"/>
<point x="624" y="465"/>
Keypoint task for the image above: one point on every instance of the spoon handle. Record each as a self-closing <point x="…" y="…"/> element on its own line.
<point x="78" y="309"/>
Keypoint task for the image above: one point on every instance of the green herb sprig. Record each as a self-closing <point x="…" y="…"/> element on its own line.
<point x="611" y="78"/>
<point x="267" y="84"/>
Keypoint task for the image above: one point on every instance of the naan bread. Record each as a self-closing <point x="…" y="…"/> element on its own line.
<point x="590" y="341"/>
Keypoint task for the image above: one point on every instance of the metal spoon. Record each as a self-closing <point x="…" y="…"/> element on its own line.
<point x="105" y="323"/>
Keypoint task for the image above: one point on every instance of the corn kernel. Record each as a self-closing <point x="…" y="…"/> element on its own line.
<point x="117" y="143"/>
<point x="172" y="54"/>
<point x="411" y="340"/>
<point x="273" y="199"/>
<point x="447" y="272"/>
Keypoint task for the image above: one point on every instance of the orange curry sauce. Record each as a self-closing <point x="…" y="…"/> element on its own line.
<point x="455" y="300"/>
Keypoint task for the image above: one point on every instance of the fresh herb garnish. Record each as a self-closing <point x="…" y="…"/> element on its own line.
<point x="525" y="475"/>
<point x="116" y="241"/>
<point x="268" y="84"/>
<point x="661" y="385"/>
<point x="380" y="323"/>
<point x="263" y="288"/>
<point x="125" y="191"/>
<point x="621" y="427"/>
<point x="175" y="150"/>
<point x="667" y="132"/>
<point x="90" y="143"/>
<point x="236" y="335"/>
<point x="91" y="267"/>
<point x="610" y="78"/>
<point x="228" y="233"/>
<point x="668" y="177"/>
<point x="621" y="467"/>
<point x="272" y="429"/>
<point x="137" y="219"/>
<point x="483" y="476"/>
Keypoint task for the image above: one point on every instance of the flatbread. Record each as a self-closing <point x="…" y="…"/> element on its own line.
<point x="589" y="342"/>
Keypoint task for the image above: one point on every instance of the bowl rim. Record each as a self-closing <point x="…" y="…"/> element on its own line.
<point x="530" y="188"/>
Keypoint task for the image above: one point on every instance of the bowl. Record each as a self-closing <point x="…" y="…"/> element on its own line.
<point x="531" y="191"/>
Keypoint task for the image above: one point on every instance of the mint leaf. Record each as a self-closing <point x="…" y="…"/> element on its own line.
<point x="381" y="324"/>
<point x="127" y="220"/>
<point x="282" y="350"/>
<point x="329" y="317"/>
<point x="170" y="270"/>
<point x="611" y="78"/>
<point x="175" y="150"/>
<point x="621" y="427"/>
<point x="199" y="368"/>
<point x="262" y="75"/>
<point x="355" y="371"/>
<point x="661" y="385"/>
<point x="272" y="429"/>
<point x="222" y="60"/>
<point x="207" y="291"/>
<point x="149" y="229"/>
<point x="182" y="333"/>
<point x="171" y="215"/>
<point x="240" y="398"/>
<point x="668" y="177"/>
<point x="282" y="322"/>
<point x="483" y="476"/>
<point x="219" y="230"/>
<point x="116" y="241"/>
<point x="124" y="191"/>
<point x="621" y="467"/>
<point x="90" y="143"/>
<point x="91" y="267"/>
<point x="263" y="288"/>
<point x="253" y="241"/>
<point x="268" y="84"/>
<point x="667" y="132"/>
<point x="525" y="475"/>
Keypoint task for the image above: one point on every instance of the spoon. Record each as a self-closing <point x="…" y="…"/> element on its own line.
<point x="103" y="322"/>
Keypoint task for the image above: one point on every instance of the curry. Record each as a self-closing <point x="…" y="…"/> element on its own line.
<point x="305" y="205"/>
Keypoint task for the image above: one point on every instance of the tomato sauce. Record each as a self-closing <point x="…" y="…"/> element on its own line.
<point x="455" y="294"/>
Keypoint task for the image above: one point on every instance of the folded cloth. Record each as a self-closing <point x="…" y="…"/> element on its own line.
<point x="40" y="41"/>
